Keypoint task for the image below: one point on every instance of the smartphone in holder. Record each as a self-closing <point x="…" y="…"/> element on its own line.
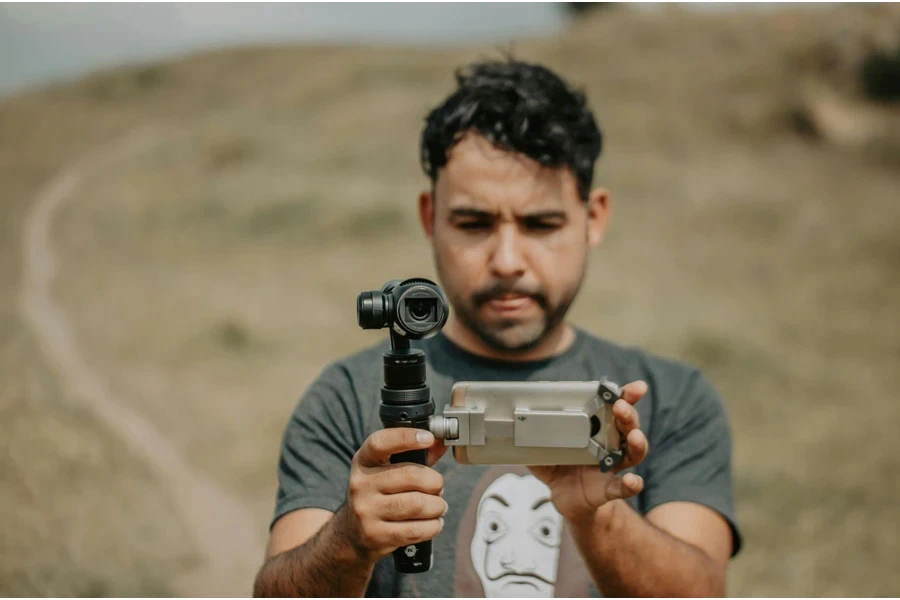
<point x="532" y="423"/>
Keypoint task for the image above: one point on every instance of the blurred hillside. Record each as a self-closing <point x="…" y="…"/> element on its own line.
<point x="211" y="271"/>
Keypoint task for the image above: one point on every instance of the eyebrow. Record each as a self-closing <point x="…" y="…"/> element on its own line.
<point x="498" y="499"/>
<point x="483" y="214"/>
<point x="470" y="212"/>
<point x="540" y="503"/>
<point x="545" y="214"/>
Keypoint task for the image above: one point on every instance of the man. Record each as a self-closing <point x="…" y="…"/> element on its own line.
<point x="512" y="217"/>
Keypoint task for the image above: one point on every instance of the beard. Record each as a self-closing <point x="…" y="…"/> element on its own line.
<point x="513" y="336"/>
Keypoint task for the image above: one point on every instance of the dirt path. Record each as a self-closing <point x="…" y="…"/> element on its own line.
<point x="223" y="528"/>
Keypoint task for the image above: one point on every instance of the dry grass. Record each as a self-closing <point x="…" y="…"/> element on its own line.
<point x="213" y="276"/>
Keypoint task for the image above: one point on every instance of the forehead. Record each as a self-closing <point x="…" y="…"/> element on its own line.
<point x="517" y="490"/>
<point x="480" y="175"/>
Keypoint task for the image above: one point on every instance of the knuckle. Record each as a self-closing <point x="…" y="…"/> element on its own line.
<point x="434" y="528"/>
<point x="377" y="441"/>
<point x="420" y="532"/>
<point x="639" y="442"/>
<point x="360" y="512"/>
<point x="436" y="480"/>
<point x="412" y="534"/>
<point x="423" y="479"/>
<point x="371" y="535"/>
<point x="435" y="507"/>
<point x="416" y="505"/>
<point x="356" y="484"/>
<point x="394" y="506"/>
<point x="410" y="473"/>
<point x="397" y="538"/>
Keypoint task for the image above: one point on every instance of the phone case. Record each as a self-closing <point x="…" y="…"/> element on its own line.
<point x="539" y="423"/>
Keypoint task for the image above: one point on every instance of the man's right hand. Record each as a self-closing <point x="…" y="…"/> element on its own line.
<point x="392" y="505"/>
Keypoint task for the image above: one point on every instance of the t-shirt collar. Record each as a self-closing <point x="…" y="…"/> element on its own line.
<point x="467" y="357"/>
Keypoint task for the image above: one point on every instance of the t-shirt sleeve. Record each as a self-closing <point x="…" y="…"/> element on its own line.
<point x="318" y="445"/>
<point x="691" y="459"/>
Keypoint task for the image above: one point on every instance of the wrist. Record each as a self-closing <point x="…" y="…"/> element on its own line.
<point x="597" y="521"/>
<point x="350" y="549"/>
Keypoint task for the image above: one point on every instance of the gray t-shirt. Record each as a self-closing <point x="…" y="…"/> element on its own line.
<point x="500" y="537"/>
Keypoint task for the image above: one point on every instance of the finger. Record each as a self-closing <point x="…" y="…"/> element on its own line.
<point x="411" y="506"/>
<point x="414" y="532"/>
<point x="627" y="418"/>
<point x="637" y="448"/>
<point x="409" y="477"/>
<point x="542" y="472"/>
<point x="624" y="487"/>
<point x="381" y="445"/>
<point x="633" y="391"/>
<point x="436" y="451"/>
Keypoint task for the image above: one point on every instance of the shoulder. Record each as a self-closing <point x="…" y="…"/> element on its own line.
<point x="343" y="396"/>
<point x="343" y="379"/>
<point x="350" y="379"/>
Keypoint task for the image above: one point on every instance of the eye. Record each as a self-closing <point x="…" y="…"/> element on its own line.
<point x="474" y="225"/>
<point x="547" y="532"/>
<point x="543" y="224"/>
<point x="493" y="527"/>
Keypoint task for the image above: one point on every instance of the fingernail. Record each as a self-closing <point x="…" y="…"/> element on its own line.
<point x="424" y="437"/>
<point x="442" y="525"/>
<point x="442" y="492"/>
<point x="446" y="508"/>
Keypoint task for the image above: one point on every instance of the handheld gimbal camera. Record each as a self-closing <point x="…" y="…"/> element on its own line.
<point x="412" y="309"/>
<point x="497" y="423"/>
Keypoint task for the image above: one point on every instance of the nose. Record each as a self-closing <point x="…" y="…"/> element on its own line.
<point x="507" y="260"/>
<point x="519" y="562"/>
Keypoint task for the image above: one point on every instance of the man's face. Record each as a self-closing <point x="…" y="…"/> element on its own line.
<point x="511" y="242"/>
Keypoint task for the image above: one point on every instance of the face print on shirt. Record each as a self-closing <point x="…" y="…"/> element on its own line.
<point x="515" y="548"/>
<point x="521" y="548"/>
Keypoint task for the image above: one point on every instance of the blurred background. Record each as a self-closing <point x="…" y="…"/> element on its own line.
<point x="191" y="196"/>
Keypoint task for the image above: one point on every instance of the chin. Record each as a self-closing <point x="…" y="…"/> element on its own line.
<point x="521" y="338"/>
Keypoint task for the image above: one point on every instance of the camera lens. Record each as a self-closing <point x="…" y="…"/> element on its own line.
<point x="370" y="310"/>
<point x="419" y="310"/>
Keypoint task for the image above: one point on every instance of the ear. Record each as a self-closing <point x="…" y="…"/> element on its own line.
<point x="426" y="212"/>
<point x="598" y="216"/>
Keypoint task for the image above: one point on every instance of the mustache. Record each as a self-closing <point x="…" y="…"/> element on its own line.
<point x="500" y="288"/>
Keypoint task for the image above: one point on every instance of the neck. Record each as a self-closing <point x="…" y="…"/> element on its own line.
<point x="555" y="342"/>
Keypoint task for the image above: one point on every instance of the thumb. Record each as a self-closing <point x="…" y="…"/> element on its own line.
<point x="542" y="472"/>
<point x="620" y="488"/>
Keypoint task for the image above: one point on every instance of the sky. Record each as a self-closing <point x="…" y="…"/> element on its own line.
<point x="45" y="42"/>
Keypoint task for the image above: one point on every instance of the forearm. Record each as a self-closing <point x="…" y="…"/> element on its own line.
<point x="327" y="565"/>
<point x="628" y="556"/>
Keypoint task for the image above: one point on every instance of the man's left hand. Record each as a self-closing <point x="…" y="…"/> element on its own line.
<point x="577" y="491"/>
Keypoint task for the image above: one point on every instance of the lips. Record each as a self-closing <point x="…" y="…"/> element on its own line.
<point x="510" y="303"/>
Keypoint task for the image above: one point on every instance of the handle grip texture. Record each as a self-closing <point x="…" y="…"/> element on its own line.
<point x="415" y="558"/>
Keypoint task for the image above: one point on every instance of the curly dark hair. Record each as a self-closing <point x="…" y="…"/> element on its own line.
<point x="520" y="107"/>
